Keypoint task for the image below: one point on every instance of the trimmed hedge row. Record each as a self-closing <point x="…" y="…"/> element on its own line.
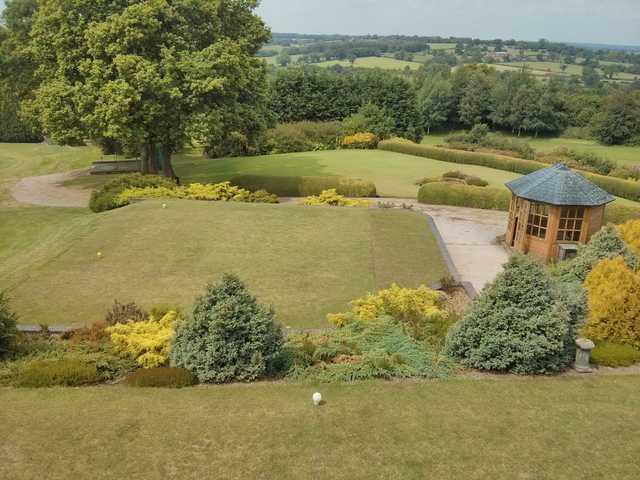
<point x="616" y="186"/>
<point x="444" y="193"/>
<point x="459" y="195"/>
<point x="293" y="186"/>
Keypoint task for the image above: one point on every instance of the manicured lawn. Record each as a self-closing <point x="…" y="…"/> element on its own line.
<point x="19" y="160"/>
<point x="544" y="428"/>
<point x="306" y="261"/>
<point x="394" y="174"/>
<point x="385" y="63"/>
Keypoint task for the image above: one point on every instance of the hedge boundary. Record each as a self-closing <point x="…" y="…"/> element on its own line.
<point x="619" y="187"/>
<point x="298" y="186"/>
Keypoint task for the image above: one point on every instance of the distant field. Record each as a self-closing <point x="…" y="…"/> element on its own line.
<point x="385" y="63"/>
<point x="555" y="68"/>
<point x="306" y="261"/>
<point x="442" y="46"/>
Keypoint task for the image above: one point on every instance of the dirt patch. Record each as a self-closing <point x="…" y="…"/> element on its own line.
<point x="48" y="190"/>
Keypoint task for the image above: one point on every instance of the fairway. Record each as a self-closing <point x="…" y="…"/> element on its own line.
<point x="306" y="261"/>
<point x="511" y="428"/>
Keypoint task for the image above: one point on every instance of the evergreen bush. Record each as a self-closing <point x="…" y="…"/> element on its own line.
<point x="8" y="321"/>
<point x="161" y="377"/>
<point x="517" y="324"/>
<point x="230" y="336"/>
<point x="106" y="197"/>
<point x="445" y="193"/>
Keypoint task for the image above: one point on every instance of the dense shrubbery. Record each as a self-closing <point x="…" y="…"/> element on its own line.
<point x="479" y="138"/>
<point x="419" y="311"/>
<point x="517" y="324"/>
<point x="230" y="336"/>
<point x="302" y="137"/>
<point x="613" y="291"/>
<point x="363" y="350"/>
<point x="364" y="141"/>
<point x="626" y="172"/>
<point x="510" y="164"/>
<point x="305" y="186"/>
<point x="605" y="244"/>
<point x="63" y="372"/>
<point x="630" y="232"/>
<point x="105" y="197"/>
<point x="8" y="321"/>
<point x="161" y="377"/>
<point x="615" y="355"/>
<point x="445" y="193"/>
<point x="196" y="191"/>
<point x="581" y="160"/>
<point x="333" y="199"/>
<point x="146" y="342"/>
<point x="369" y="118"/>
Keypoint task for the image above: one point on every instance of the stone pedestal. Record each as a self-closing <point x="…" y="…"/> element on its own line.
<point x="583" y="355"/>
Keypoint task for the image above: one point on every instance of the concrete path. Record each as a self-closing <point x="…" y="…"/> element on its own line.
<point x="47" y="190"/>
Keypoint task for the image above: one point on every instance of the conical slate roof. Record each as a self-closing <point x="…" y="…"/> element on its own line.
<point x="558" y="185"/>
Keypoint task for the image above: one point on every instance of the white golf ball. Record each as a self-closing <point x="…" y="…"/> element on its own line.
<point x="317" y="398"/>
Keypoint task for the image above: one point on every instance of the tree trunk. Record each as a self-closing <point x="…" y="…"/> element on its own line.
<point x="167" y="167"/>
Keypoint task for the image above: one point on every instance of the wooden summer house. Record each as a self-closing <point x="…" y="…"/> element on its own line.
<point x="552" y="211"/>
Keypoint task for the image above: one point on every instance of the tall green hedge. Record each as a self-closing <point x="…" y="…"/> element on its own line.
<point x="292" y="186"/>
<point x="628" y="189"/>
<point x="445" y="193"/>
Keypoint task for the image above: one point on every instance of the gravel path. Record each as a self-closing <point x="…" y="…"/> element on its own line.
<point x="48" y="191"/>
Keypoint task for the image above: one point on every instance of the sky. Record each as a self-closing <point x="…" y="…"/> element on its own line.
<point x="580" y="21"/>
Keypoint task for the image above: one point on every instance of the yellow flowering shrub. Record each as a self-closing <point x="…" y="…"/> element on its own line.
<point x="613" y="291"/>
<point x="332" y="198"/>
<point x="415" y="308"/>
<point x="360" y="140"/>
<point x="224" y="191"/>
<point x="145" y="342"/>
<point x="630" y="232"/>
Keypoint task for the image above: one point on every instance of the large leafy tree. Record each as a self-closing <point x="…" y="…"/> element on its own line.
<point x="150" y="73"/>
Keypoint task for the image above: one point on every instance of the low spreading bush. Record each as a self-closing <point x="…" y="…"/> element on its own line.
<point x="333" y="199"/>
<point x="362" y="351"/>
<point x="628" y="189"/>
<point x="304" y="186"/>
<point x="125" y="313"/>
<point x="613" y="292"/>
<point x="8" y="321"/>
<point x="364" y="141"/>
<point x="605" y="244"/>
<point x="145" y="342"/>
<point x="630" y="232"/>
<point x="230" y="337"/>
<point x="161" y="377"/>
<point x="444" y="193"/>
<point x="105" y="197"/>
<point x="615" y="355"/>
<point x="463" y="178"/>
<point x="517" y="324"/>
<point x="51" y="373"/>
<point x="419" y="311"/>
<point x="302" y="137"/>
<point x="196" y="191"/>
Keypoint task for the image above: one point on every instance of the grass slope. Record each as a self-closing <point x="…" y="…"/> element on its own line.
<point x="544" y="428"/>
<point x="306" y="261"/>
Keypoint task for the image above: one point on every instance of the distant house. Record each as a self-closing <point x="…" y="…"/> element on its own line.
<point x="552" y="211"/>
